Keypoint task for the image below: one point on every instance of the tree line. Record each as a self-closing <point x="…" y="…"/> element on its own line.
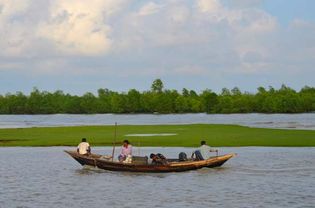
<point x="160" y="100"/>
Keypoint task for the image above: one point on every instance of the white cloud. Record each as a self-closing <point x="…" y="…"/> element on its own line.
<point x="12" y="29"/>
<point x="209" y="5"/>
<point x="149" y="8"/>
<point x="151" y="37"/>
<point x="80" y="27"/>
<point x="180" y="14"/>
<point x="12" y="7"/>
<point x="208" y="23"/>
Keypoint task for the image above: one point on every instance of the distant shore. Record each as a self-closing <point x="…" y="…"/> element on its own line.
<point x="159" y="100"/>
<point x="158" y="135"/>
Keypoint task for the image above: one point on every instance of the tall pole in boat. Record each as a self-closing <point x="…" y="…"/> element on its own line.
<point x="139" y="146"/>
<point x="114" y="143"/>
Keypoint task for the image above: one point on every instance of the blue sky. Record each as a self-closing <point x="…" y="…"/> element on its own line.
<point x="79" y="46"/>
<point x="286" y="11"/>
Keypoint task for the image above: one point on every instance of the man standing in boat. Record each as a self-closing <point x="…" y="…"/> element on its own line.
<point x="204" y="150"/>
<point x="126" y="150"/>
<point x="84" y="147"/>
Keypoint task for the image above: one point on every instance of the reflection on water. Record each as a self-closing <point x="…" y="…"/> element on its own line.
<point x="257" y="177"/>
<point x="286" y="121"/>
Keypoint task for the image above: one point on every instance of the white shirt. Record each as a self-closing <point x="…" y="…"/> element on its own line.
<point x="83" y="148"/>
<point x="205" y="151"/>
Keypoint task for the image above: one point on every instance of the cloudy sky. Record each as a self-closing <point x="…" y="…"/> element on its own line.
<point x="80" y="45"/>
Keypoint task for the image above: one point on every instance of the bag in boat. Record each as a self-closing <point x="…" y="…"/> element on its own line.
<point x="158" y="158"/>
<point x="182" y="157"/>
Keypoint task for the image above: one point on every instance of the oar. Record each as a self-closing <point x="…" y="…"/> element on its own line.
<point x="139" y="147"/>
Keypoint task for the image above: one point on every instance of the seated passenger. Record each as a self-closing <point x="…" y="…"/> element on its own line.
<point x="158" y="159"/>
<point x="126" y="150"/>
<point x="84" y="147"/>
<point x="203" y="152"/>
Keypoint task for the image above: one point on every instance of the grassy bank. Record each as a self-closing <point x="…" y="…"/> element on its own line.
<point x="186" y="136"/>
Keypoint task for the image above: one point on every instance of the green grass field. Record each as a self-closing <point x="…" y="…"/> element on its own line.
<point x="187" y="136"/>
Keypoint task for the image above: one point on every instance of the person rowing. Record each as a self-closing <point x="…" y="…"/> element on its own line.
<point x="203" y="152"/>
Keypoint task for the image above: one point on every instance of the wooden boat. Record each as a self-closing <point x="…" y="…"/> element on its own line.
<point x="173" y="165"/>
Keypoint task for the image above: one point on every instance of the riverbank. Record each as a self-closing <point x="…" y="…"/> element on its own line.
<point x="158" y="135"/>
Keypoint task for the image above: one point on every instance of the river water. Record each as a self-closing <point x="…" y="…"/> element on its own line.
<point x="257" y="177"/>
<point x="284" y="121"/>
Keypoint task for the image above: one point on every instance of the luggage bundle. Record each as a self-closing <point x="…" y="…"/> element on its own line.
<point x="158" y="159"/>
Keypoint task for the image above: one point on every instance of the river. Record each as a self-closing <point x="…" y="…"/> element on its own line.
<point x="283" y="121"/>
<point x="270" y="177"/>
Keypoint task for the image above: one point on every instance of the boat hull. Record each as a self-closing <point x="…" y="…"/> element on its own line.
<point x="97" y="161"/>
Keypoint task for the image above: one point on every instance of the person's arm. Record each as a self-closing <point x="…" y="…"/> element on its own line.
<point x="213" y="150"/>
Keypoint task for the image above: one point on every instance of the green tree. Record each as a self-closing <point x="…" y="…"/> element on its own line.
<point x="15" y="104"/>
<point x="283" y="100"/>
<point x="208" y="101"/>
<point x="225" y="92"/>
<point x="157" y="86"/>
<point x="73" y="105"/>
<point x="307" y="97"/>
<point x="182" y="105"/>
<point x="133" y="104"/>
<point x="236" y="91"/>
<point x="34" y="102"/>
<point x="118" y="103"/>
<point x="104" y="101"/>
<point x="185" y="92"/>
<point x="193" y="94"/>
<point x="89" y="103"/>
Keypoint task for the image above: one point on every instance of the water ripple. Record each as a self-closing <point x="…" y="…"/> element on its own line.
<point x="46" y="177"/>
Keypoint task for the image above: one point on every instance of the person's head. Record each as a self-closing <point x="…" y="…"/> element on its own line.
<point x="83" y="139"/>
<point x="126" y="143"/>
<point x="203" y="142"/>
<point x="152" y="155"/>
